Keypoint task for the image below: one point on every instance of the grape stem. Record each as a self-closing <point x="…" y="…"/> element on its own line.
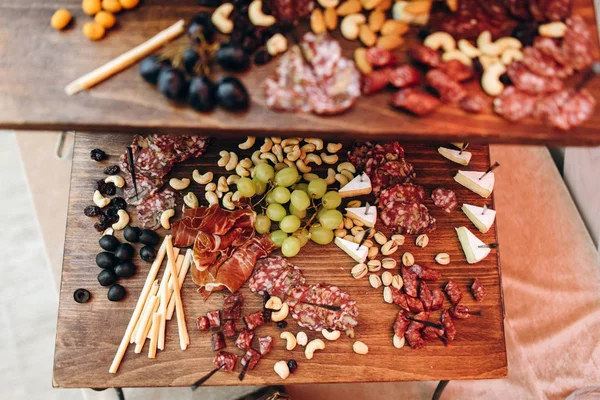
<point x="264" y="196"/>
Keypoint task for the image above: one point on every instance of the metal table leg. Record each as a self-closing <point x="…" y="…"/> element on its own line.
<point x="439" y="390"/>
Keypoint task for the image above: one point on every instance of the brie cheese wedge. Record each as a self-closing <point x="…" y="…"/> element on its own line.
<point x="471" y="180"/>
<point x="458" y="144"/>
<point x="358" y="186"/>
<point x="358" y="254"/>
<point x="471" y="246"/>
<point x="455" y="155"/>
<point x="483" y="221"/>
<point x="360" y="214"/>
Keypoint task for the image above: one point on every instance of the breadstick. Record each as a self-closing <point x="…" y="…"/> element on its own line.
<point x="138" y="309"/>
<point x="182" y="274"/>
<point x="145" y="313"/>
<point x="154" y="335"/>
<point x="126" y="59"/>
<point x="163" y="281"/>
<point x="164" y="301"/>
<point x="146" y="327"/>
<point x="183" y="334"/>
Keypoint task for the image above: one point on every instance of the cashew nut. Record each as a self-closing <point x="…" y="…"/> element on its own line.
<point x="246" y="163"/>
<point x="100" y="200"/>
<point x="333" y="147"/>
<point x="312" y="346"/>
<point x="553" y="29"/>
<point x="329" y="159"/>
<point x="266" y="147"/>
<point x="248" y="143"/>
<point x="220" y="18"/>
<point x="179" y="184"/>
<point x="122" y="222"/>
<point x="342" y="179"/>
<point x="294" y="154"/>
<point x="289" y="163"/>
<point x="236" y="196"/>
<point x="291" y="340"/>
<point x="360" y="348"/>
<point x="256" y="15"/>
<point x="116" y="180"/>
<point x="484" y="38"/>
<point x="282" y="369"/>
<point x="241" y="170"/>
<point x="233" y="161"/>
<point x="269" y="156"/>
<point x="346" y="165"/>
<point x="232" y="179"/>
<point x="302" y="167"/>
<point x="210" y="187"/>
<point x="308" y="148"/>
<point x="350" y="25"/>
<point x="312" y="158"/>
<point x="108" y="231"/>
<point x="280" y="314"/>
<point x="457" y="55"/>
<point x="276" y="44"/>
<point x="274" y="303"/>
<point x="468" y="49"/>
<point x="317" y="142"/>
<point x="165" y="216"/>
<point x="228" y="202"/>
<point x="191" y="200"/>
<point x="490" y="80"/>
<point x="289" y="142"/>
<point x="222" y="185"/>
<point x="301" y="338"/>
<point x="490" y="49"/>
<point x="487" y="61"/>
<point x="202" y="179"/>
<point x="330" y="176"/>
<point x="225" y="156"/>
<point x="212" y="198"/>
<point x="278" y="151"/>
<point x="399" y="14"/>
<point x="309" y="177"/>
<point x="511" y="55"/>
<point x="328" y="3"/>
<point x="331" y="335"/>
<point x="276" y="139"/>
<point x="440" y="39"/>
<point x="347" y="174"/>
<point x="256" y="158"/>
<point x="508" y="42"/>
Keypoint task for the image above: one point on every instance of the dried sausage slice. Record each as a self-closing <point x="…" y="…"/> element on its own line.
<point x="453" y="292"/>
<point x="405" y="76"/>
<point x="226" y="361"/>
<point x="449" y="90"/>
<point x="514" y="105"/>
<point x="444" y="199"/>
<point x="528" y="82"/>
<point x="415" y="101"/>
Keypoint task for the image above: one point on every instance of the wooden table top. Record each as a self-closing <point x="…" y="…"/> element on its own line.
<point x="37" y="63"/>
<point x="88" y="334"/>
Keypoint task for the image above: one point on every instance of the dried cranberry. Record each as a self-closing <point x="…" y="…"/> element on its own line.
<point x="281" y="324"/>
<point x="92" y="211"/>
<point x="262" y="57"/>
<point x="119" y="203"/>
<point x="112" y="170"/>
<point x="100" y="226"/>
<point x="97" y="155"/>
<point x="292" y="365"/>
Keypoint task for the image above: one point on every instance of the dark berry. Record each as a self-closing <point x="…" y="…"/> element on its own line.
<point x="119" y="203"/>
<point x="190" y="59"/>
<point x="92" y="211"/>
<point x="111" y="211"/>
<point x="231" y="56"/>
<point x="82" y="295"/>
<point x="97" y="155"/>
<point x="262" y="57"/>
<point x="106" y="260"/>
<point x="116" y="293"/>
<point x="201" y="95"/>
<point x="250" y="44"/>
<point x="124" y="252"/>
<point x="236" y="37"/>
<point x="477" y="65"/>
<point x="526" y="32"/>
<point x="232" y="94"/>
<point x="266" y="315"/>
<point x="149" y="237"/>
<point x="239" y="3"/>
<point x="148" y="253"/>
<point x="266" y="298"/>
<point x="292" y="365"/>
<point x="112" y="170"/>
<point x="200" y="26"/>
<point x="281" y="324"/>
<point x="132" y="234"/>
<point x="107" y="277"/>
<point x="423" y="33"/>
<point x="100" y="227"/>
<point x="108" y="242"/>
<point x="109" y="189"/>
<point x="150" y="68"/>
<point x="171" y="83"/>
<point x="125" y="269"/>
<point x="505" y="79"/>
<point x="107" y="219"/>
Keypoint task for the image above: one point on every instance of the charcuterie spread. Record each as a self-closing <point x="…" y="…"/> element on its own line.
<point x="243" y="226"/>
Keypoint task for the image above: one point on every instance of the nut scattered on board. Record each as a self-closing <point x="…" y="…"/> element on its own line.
<point x="122" y="222"/>
<point x="250" y="140"/>
<point x="388" y="263"/>
<point x="360" y="348"/>
<point x="274" y="303"/>
<point x="179" y="184"/>
<point x="398" y="341"/>
<point x="220" y="18"/>
<point x="312" y="346"/>
<point x="441" y="40"/>
<point x="211" y="197"/>
<point x="442" y="258"/>
<point x="281" y="368"/>
<point x="165" y="217"/>
<point x="389" y="248"/>
<point x="359" y="271"/>
<point x="202" y="179"/>
<point x="276" y="44"/>
<point x="397" y="282"/>
<point x="256" y="15"/>
<point x="60" y="19"/>
<point x="408" y="259"/>
<point x="191" y="200"/>
<point x="100" y="200"/>
<point x="317" y="22"/>
<point x="373" y="252"/>
<point x="380" y="238"/>
<point x="387" y="278"/>
<point x="290" y="340"/>
<point x="105" y="19"/>
<point x="331" y="18"/>
<point x="280" y="314"/>
<point x="375" y="281"/>
<point x="553" y="29"/>
<point x="331" y="335"/>
<point x="389" y="42"/>
<point x="349" y="7"/>
<point x="387" y="295"/>
<point x="302" y="338"/>
<point x="233" y="161"/>
<point x="422" y="240"/>
<point x="93" y="31"/>
<point x="374" y="265"/>
<point x="399" y="239"/>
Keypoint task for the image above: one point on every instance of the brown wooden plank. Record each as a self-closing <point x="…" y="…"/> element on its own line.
<point x="88" y="334"/>
<point x="38" y="62"/>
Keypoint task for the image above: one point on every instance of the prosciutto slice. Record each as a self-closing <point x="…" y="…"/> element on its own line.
<point x="232" y="272"/>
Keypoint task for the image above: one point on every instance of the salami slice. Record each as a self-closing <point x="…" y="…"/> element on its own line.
<point x="407" y="217"/>
<point x="406" y="192"/>
<point x="391" y="173"/>
<point x="449" y="327"/>
<point x="473" y="103"/>
<point x="425" y="273"/>
<point x="425" y="296"/>
<point x="528" y="82"/>
<point x="413" y="333"/>
<point x="150" y="210"/>
<point x="401" y="324"/>
<point x="379" y="154"/>
<point x="437" y="300"/>
<point x="251" y="358"/>
<point x="405" y="76"/>
<point x="460" y="312"/>
<point x="400" y="299"/>
<point x="425" y="55"/>
<point x="217" y="341"/>
<point x="375" y="81"/>
<point x="265" y="344"/>
<point x="453" y="292"/>
<point x="415" y="305"/>
<point x="514" y="105"/>
<point x="444" y="199"/>
<point x="214" y="318"/>
<point x="551" y="104"/>
<point x="544" y="65"/>
<point x="244" y="339"/>
<point x="558" y="10"/>
<point x="254" y="320"/>
<point x="379" y="57"/>
<point x="578" y="108"/>
<point x="416" y="101"/>
<point x="411" y="283"/>
<point x="450" y="91"/>
<point x="202" y="323"/>
<point x="551" y="48"/>
<point x="275" y="276"/>
<point x="478" y="290"/>
<point x="226" y="361"/>
<point x="456" y="70"/>
<point x="229" y="329"/>
<point x="431" y="333"/>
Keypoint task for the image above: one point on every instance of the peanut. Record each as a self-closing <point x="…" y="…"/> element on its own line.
<point x="418" y="7"/>
<point x="394" y="28"/>
<point x="389" y="42"/>
<point x="376" y="20"/>
<point x="317" y="21"/>
<point x="367" y="36"/>
<point x="112" y="6"/>
<point x="349" y="7"/>
<point x="360" y="59"/>
<point x="370" y="4"/>
<point x="331" y="18"/>
<point x="91" y="7"/>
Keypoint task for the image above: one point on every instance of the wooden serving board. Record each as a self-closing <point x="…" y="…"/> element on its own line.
<point x="88" y="334"/>
<point x="37" y="63"/>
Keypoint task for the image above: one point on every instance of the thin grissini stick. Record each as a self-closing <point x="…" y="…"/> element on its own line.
<point x="146" y="312"/>
<point x="126" y="59"/>
<point x="162" y="310"/>
<point x="165" y="278"/>
<point x="187" y="262"/>
<point x="139" y="345"/>
<point x="154" y="335"/>
<point x="183" y="334"/>
<point x="114" y="367"/>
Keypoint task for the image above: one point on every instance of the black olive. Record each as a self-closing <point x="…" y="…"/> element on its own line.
<point x="81" y="295"/>
<point x="116" y="292"/>
<point x="209" y="3"/>
<point x="124" y="252"/>
<point x="111" y="211"/>
<point x="149" y="237"/>
<point x="505" y="79"/>
<point x="150" y="68"/>
<point x="201" y="27"/>
<point x="125" y="269"/>
<point x="262" y="57"/>
<point x="231" y="94"/>
<point x="106" y="260"/>
<point x="108" y="243"/>
<point x="231" y="56"/>
<point x="201" y="95"/>
<point x="148" y="253"/>
<point x="172" y="83"/>
<point x="132" y="234"/>
<point x="107" y="277"/>
<point x="190" y="58"/>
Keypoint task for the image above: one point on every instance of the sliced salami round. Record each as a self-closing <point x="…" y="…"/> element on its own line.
<point x="444" y="199"/>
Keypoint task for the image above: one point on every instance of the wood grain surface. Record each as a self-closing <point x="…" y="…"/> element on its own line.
<point x="88" y="334"/>
<point x="37" y="62"/>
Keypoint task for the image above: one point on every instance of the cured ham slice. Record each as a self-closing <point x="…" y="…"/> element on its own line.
<point x="236" y="269"/>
